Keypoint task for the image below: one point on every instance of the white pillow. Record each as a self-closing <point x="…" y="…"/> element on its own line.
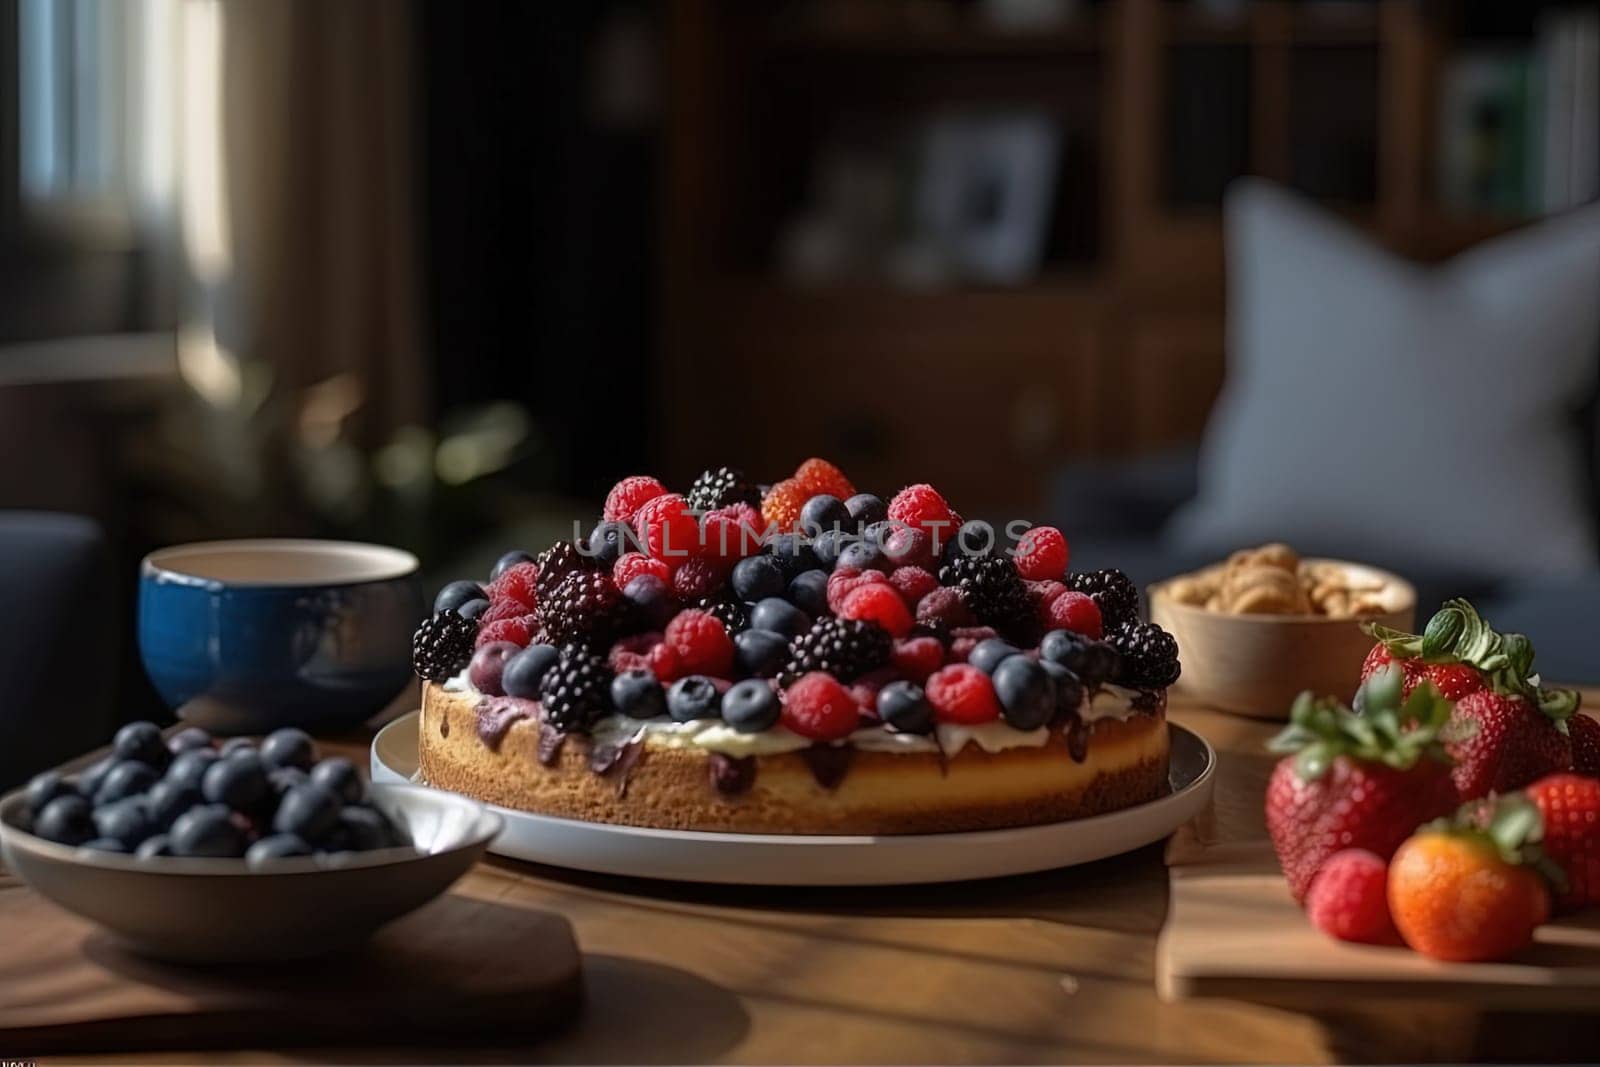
<point x="1420" y="413"/>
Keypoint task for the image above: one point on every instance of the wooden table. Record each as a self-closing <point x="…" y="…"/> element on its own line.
<point x="1055" y="967"/>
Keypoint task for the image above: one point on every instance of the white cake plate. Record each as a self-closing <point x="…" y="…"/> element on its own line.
<point x="819" y="859"/>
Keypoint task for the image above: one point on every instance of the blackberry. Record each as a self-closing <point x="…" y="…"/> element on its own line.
<point x="558" y="561"/>
<point x="845" y="648"/>
<point x="1149" y="656"/>
<point x="584" y="608"/>
<point x="719" y="488"/>
<point x="576" y="691"/>
<point x="442" y="646"/>
<point x="728" y="609"/>
<point x="993" y="591"/>
<point x="1113" y="593"/>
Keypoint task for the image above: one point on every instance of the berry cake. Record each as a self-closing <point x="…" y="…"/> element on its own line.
<point x="795" y="658"/>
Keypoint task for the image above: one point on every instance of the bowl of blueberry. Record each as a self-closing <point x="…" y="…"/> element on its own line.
<point x="240" y="852"/>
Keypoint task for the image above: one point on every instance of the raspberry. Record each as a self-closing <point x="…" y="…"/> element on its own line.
<point x="963" y="639"/>
<point x="1042" y="554"/>
<point x="629" y="495"/>
<point x="1076" y="612"/>
<point x="864" y="690"/>
<point x="818" y="706"/>
<point x="1349" y="898"/>
<point x="519" y="631"/>
<point x="621" y="660"/>
<point x="1453" y="680"/>
<point x="731" y="533"/>
<point x="503" y="609"/>
<point x="517" y="584"/>
<point x="701" y="642"/>
<point x="917" y="657"/>
<point x="845" y="580"/>
<point x="878" y="602"/>
<point x="962" y="694"/>
<point x="1585" y="732"/>
<point x="921" y="507"/>
<point x="819" y="476"/>
<point x="630" y="565"/>
<point x="944" y="607"/>
<point x="913" y="583"/>
<point x="699" y="577"/>
<point x="663" y="661"/>
<point x="780" y="508"/>
<point x="907" y="546"/>
<point x="1043" y="594"/>
<point x="666" y="529"/>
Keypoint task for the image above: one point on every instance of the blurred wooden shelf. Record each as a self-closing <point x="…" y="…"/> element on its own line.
<point x="1275" y="25"/>
<point x="955" y="42"/>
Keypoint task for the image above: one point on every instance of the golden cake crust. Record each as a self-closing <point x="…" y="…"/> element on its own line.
<point x="878" y="793"/>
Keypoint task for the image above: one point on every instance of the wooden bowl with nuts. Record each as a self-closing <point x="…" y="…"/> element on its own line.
<point x="1257" y="629"/>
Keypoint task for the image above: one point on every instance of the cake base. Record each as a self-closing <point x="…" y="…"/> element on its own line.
<point x="824" y="790"/>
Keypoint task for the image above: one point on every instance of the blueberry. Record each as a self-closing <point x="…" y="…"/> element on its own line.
<point x="127" y="822"/>
<point x="125" y="779"/>
<point x="207" y="831"/>
<point x="154" y="845"/>
<point x="760" y="653"/>
<point x="757" y="578"/>
<point x="792" y="553"/>
<point x="105" y="844"/>
<point x="189" y="739"/>
<point x="169" y="799"/>
<point x="694" y="697"/>
<point x="238" y="781"/>
<point x="988" y="653"/>
<point x="188" y="768"/>
<point x="486" y="671"/>
<point x="1069" y="691"/>
<point x="90" y="778"/>
<point x="286" y="778"/>
<point x="522" y="672"/>
<point x="288" y="747"/>
<point x="904" y="707"/>
<point x="66" y="820"/>
<point x="362" y="829"/>
<point x="275" y="847"/>
<point x="309" y="811"/>
<point x="637" y="694"/>
<point x="457" y="593"/>
<point x="780" y="616"/>
<point x="472" y="609"/>
<point x="1027" y="695"/>
<point x="652" y="601"/>
<point x="829" y="544"/>
<point x="608" y="540"/>
<point x="236" y="744"/>
<point x="751" y="706"/>
<point x="972" y="538"/>
<point x="340" y="775"/>
<point x="865" y="509"/>
<point x="507" y="561"/>
<point x="141" y="741"/>
<point x="822" y="513"/>
<point x="1092" y="661"/>
<point x="45" y="787"/>
<point x="808" y="591"/>
<point x="863" y="555"/>
<point x="879" y="532"/>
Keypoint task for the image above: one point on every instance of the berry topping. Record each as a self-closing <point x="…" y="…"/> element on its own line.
<point x="808" y="591"/>
<point x="609" y="540"/>
<point x="780" y="508"/>
<point x="905" y="546"/>
<point x="1073" y="611"/>
<point x="917" y="657"/>
<point x="819" y="476"/>
<point x="506" y="562"/>
<point x="904" y="708"/>
<point x="817" y="706"/>
<point x="779" y="615"/>
<point x="442" y="646"/>
<point x="667" y="529"/>
<point x="921" y="507"/>
<point x="718" y="488"/>
<point x="760" y="653"/>
<point x="693" y="697"/>
<point x="584" y="608"/>
<point x="558" y="561"/>
<point x="865" y="509"/>
<point x="961" y="693"/>
<point x="1149" y="656"/>
<point x="452" y="596"/>
<point x="757" y="578"/>
<point x="663" y="661"/>
<point x="629" y="495"/>
<point x="1349" y="898"/>
<point x="878" y="602"/>
<point x="651" y="601"/>
<point x="1042" y="554"/>
<point x="698" y="577"/>
<point x="701" y="643"/>
<point x="993" y="589"/>
<point x="844" y="648"/>
<point x="488" y="667"/>
<point x="913" y="583"/>
<point x="576" y="691"/>
<point x="1026" y="692"/>
<point x="751" y="706"/>
<point x="630" y="565"/>
<point x="944" y="608"/>
<point x="638" y="695"/>
<point x="987" y="654"/>
<point x="519" y="631"/>
<point x="862" y="555"/>
<point x="524" y="671"/>
<point x="1114" y="593"/>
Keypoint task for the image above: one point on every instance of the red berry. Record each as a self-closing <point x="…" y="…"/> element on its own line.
<point x="519" y="631"/>
<point x="780" y="508"/>
<point x="733" y="532"/>
<point x="1042" y="593"/>
<point x="944" y="607"/>
<point x="878" y="602"/>
<point x="1453" y="680"/>
<point x="1076" y="612"/>
<point x="1380" y="657"/>
<point x="962" y="693"/>
<point x="701" y="642"/>
<point x="631" y="652"/>
<point x="1585" y="733"/>
<point x="666" y="529"/>
<point x="921" y="507"/>
<point x="913" y="583"/>
<point x="663" y="661"/>
<point x="917" y="657"/>
<point x="864" y="690"/>
<point x="907" y="546"/>
<point x="844" y="581"/>
<point x="517" y="584"/>
<point x="1042" y="554"/>
<point x="818" y="476"/>
<point x="628" y="495"/>
<point x="819" y="707"/>
<point x="630" y="565"/>
<point x="499" y="610"/>
<point x="700" y="576"/>
<point x="1349" y="898"/>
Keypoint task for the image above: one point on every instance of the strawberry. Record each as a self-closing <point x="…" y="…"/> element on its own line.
<point x="1453" y="680"/>
<point x="1380" y="657"/>
<point x="1570" y="807"/>
<point x="1357" y="781"/>
<point x="1585" y="733"/>
<point x="1501" y="743"/>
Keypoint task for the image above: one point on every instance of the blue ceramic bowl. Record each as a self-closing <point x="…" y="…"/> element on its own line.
<point x="248" y="636"/>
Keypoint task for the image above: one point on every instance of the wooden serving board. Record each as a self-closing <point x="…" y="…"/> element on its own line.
<point x="1233" y="930"/>
<point x="458" y="966"/>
